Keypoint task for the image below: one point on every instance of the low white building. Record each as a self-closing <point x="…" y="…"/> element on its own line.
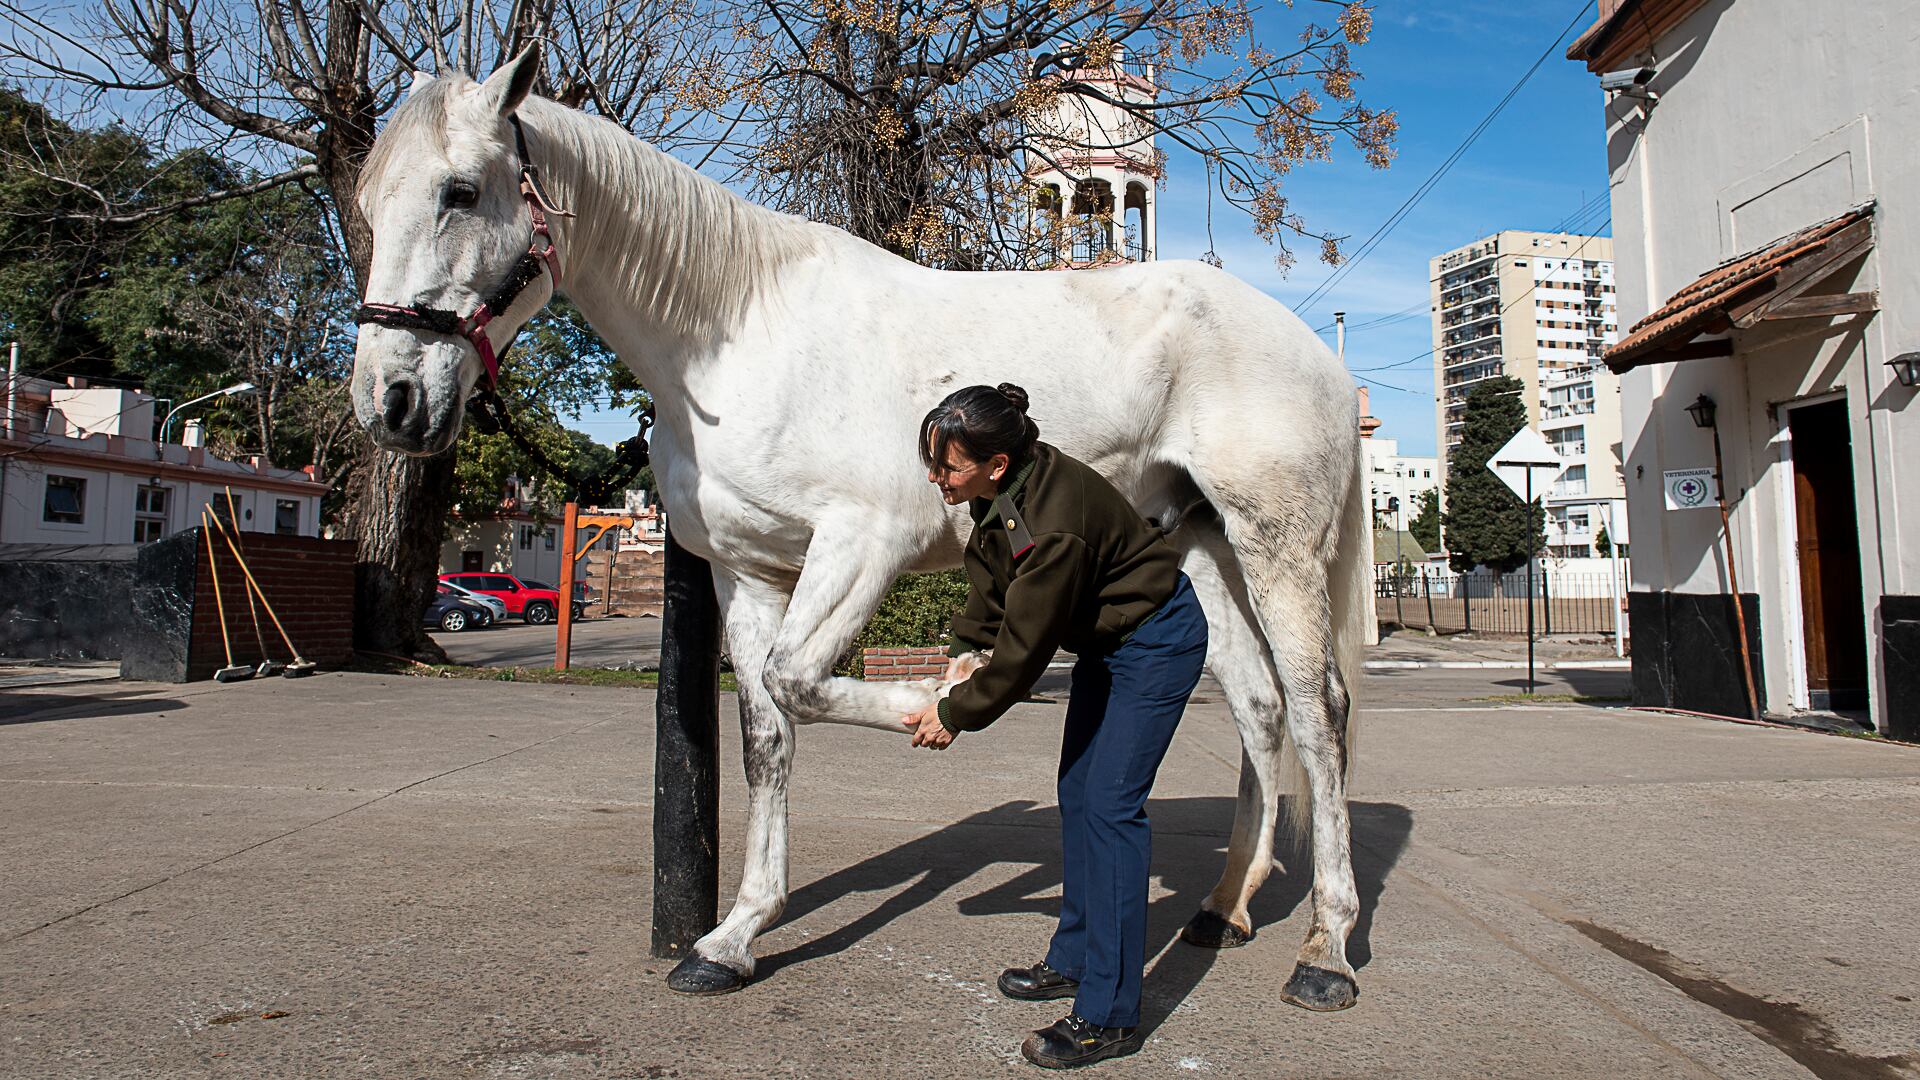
<point x="79" y="465"/>
<point x="1396" y="479"/>
<point x="1765" y="161"/>
<point x="515" y="540"/>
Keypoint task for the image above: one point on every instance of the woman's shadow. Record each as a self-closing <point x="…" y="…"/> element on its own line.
<point x="1189" y="842"/>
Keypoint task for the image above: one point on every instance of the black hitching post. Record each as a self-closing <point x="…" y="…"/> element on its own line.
<point x="686" y="761"/>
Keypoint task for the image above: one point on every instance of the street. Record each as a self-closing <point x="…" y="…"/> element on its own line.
<point x="597" y="642"/>
<point x="363" y="875"/>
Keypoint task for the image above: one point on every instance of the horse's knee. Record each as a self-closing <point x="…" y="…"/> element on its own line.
<point x="800" y="694"/>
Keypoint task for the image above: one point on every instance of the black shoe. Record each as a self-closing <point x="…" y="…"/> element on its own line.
<point x="1074" y="1041"/>
<point x="1037" y="983"/>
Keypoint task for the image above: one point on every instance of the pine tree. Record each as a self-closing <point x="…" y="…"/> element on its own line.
<point x="1485" y="525"/>
<point x="1425" y="525"/>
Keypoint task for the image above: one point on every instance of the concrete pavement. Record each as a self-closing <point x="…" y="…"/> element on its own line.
<point x="359" y="875"/>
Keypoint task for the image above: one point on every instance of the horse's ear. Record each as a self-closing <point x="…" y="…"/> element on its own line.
<point x="506" y="88"/>
<point x="420" y="81"/>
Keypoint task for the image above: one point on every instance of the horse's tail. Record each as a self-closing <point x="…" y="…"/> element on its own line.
<point x="1350" y="588"/>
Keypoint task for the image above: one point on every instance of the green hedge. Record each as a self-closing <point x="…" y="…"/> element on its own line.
<point x="916" y="611"/>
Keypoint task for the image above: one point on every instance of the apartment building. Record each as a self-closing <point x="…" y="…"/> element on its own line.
<point x="1540" y="308"/>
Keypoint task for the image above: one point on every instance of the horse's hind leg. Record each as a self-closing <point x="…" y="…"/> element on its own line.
<point x="1237" y="655"/>
<point x="1291" y="594"/>
<point x="723" y="959"/>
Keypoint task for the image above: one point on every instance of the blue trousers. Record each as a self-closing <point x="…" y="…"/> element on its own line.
<point x="1120" y="719"/>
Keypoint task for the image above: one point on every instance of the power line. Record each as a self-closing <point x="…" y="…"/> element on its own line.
<point x="1386" y="228"/>
<point x="1524" y="293"/>
<point x="1399" y="316"/>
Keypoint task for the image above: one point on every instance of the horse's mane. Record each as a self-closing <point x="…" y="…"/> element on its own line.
<point x="690" y="253"/>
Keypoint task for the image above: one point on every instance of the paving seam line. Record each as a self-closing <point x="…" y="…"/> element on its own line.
<point x="1497" y="665"/>
<point x="303" y="828"/>
<point x="1571" y="982"/>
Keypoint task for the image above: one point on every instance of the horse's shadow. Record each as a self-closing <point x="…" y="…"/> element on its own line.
<point x="1189" y="841"/>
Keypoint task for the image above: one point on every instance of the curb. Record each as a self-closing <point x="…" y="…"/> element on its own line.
<point x="1498" y="665"/>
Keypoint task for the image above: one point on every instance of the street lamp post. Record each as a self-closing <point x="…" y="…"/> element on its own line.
<point x="1393" y="507"/>
<point x="167" y="424"/>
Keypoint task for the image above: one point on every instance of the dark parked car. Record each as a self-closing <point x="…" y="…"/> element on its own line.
<point x="451" y="611"/>
<point x="582" y="594"/>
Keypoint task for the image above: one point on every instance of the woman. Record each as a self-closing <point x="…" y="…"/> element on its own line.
<point x="1059" y="559"/>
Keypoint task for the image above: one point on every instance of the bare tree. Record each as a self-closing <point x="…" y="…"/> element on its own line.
<point x="297" y="88"/>
<point x="917" y="124"/>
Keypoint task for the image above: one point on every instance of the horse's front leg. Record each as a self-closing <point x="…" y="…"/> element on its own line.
<point x="847" y="572"/>
<point x="723" y="959"/>
<point x="772" y="638"/>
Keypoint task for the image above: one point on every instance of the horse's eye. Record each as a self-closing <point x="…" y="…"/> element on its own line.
<point x="460" y="195"/>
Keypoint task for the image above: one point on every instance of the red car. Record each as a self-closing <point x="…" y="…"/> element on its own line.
<point x="534" y="605"/>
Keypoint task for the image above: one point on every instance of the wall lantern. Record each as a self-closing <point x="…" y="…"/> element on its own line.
<point x="1906" y="368"/>
<point x="1702" y="411"/>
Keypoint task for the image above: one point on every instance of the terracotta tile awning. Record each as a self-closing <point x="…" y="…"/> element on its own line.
<point x="1766" y="284"/>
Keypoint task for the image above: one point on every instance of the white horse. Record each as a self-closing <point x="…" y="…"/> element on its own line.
<point x="790" y="365"/>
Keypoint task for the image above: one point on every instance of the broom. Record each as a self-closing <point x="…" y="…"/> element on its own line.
<point x="232" y="672"/>
<point x="300" y="666"/>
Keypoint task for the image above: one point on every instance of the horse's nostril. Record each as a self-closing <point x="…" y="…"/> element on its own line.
<point x="399" y="402"/>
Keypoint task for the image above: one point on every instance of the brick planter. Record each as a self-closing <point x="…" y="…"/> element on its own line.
<point x="900" y="665"/>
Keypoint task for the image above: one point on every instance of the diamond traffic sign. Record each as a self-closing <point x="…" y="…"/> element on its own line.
<point x="1526" y="463"/>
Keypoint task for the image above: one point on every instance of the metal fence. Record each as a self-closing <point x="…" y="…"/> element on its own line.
<point x="1484" y="602"/>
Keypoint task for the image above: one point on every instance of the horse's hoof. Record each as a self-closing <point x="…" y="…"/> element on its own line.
<point x="1209" y="931"/>
<point x="702" y="977"/>
<point x="1319" y="989"/>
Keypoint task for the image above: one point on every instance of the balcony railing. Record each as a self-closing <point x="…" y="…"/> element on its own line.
<point x="1482" y="281"/>
<point x="1090" y="245"/>
<point x="1577" y="408"/>
<point x="1463" y="318"/>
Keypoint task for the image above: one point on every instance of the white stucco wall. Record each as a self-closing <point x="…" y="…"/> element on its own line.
<point x="109" y="503"/>
<point x="501" y="549"/>
<point x="1773" y="115"/>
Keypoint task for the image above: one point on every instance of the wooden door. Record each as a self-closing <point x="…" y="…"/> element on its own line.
<point x="1832" y="610"/>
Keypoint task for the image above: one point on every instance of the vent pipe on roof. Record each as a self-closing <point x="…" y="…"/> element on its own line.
<point x="193" y="433"/>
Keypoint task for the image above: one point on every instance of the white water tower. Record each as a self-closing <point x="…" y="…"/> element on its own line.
<point x="1097" y="194"/>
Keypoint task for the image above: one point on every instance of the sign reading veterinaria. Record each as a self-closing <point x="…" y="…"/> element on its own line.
<point x="1690" y="489"/>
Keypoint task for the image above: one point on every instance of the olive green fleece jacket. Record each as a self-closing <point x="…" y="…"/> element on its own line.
<point x="1094" y="571"/>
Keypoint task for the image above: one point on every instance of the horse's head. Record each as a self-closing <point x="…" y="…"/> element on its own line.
<point x="441" y="192"/>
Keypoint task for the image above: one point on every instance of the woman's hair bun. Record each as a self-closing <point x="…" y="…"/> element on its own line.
<point x="1014" y="394"/>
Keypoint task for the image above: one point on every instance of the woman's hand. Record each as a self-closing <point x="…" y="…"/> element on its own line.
<point x="927" y="729"/>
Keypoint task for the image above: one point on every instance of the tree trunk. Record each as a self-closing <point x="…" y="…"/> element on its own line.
<point x="401" y="514"/>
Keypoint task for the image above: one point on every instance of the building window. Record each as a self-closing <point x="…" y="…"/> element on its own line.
<point x="66" y="501"/>
<point x="224" y="507"/>
<point x="526" y="538"/>
<point x="149" y="513"/>
<point x="547" y="536"/>
<point x="286" y="517"/>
